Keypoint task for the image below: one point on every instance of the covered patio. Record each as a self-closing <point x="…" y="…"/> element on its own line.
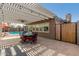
<point x="35" y="18"/>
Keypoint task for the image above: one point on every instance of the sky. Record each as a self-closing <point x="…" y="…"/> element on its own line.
<point x="61" y="9"/>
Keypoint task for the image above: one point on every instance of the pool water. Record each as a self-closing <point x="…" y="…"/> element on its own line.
<point x="14" y="33"/>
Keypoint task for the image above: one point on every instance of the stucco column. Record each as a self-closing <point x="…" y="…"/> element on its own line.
<point x="52" y="28"/>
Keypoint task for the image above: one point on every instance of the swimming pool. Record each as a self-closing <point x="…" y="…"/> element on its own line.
<point x="14" y="33"/>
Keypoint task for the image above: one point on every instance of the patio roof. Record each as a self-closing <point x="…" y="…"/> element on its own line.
<point x="26" y="12"/>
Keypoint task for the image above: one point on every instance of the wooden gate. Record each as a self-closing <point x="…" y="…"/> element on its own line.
<point x="58" y="31"/>
<point x="68" y="32"/>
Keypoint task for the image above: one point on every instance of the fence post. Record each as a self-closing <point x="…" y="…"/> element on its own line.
<point x="60" y="32"/>
<point x="75" y="33"/>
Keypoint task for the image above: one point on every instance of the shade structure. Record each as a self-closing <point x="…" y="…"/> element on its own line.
<point x="27" y="12"/>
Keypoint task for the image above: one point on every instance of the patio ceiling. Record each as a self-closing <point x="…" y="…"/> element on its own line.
<point x="27" y="12"/>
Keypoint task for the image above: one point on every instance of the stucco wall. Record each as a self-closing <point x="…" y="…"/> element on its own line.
<point x="52" y="30"/>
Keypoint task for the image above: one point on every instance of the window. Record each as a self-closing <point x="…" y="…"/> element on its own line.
<point x="36" y="28"/>
<point x="45" y="28"/>
<point x="40" y="28"/>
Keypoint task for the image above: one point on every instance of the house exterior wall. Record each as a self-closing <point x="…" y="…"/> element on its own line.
<point x="51" y="32"/>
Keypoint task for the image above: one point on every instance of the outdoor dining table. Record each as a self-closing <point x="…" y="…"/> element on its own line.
<point x="32" y="37"/>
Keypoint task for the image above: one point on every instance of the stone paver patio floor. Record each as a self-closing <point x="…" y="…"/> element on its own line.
<point x="44" y="47"/>
<point x="49" y="47"/>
